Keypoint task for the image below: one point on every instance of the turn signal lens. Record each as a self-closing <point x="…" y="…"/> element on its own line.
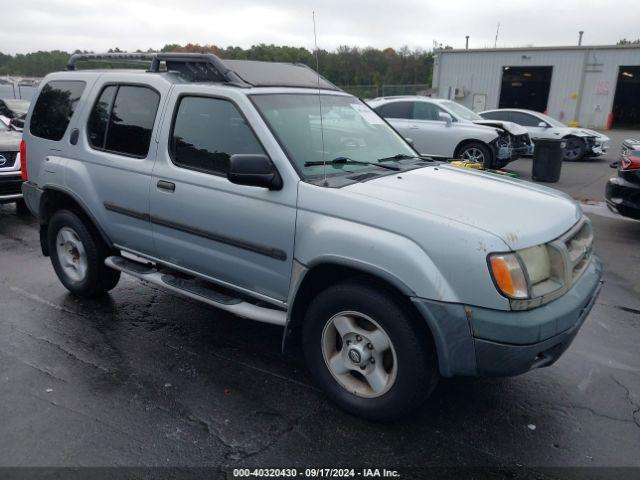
<point x="508" y="275"/>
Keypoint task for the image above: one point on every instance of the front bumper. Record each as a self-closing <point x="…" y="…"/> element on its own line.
<point x="623" y="197"/>
<point x="10" y="184"/>
<point x="479" y="341"/>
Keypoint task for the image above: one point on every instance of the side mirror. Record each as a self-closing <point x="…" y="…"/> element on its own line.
<point x="614" y="164"/>
<point x="253" y="170"/>
<point x="446" y="118"/>
<point x="543" y="125"/>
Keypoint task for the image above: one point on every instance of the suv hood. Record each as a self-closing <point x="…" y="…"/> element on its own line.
<point x="520" y="213"/>
<point x="512" y="128"/>
<point x="10" y="141"/>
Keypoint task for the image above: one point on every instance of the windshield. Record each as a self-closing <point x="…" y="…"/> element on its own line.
<point x="351" y="130"/>
<point x="18" y="106"/>
<point x="551" y="121"/>
<point x="461" y="111"/>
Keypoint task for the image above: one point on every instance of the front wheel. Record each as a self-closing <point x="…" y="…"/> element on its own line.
<point x="367" y="352"/>
<point x="476" y="152"/>
<point x="77" y="254"/>
<point x="574" y="149"/>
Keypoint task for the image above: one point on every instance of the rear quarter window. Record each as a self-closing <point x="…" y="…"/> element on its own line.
<point x="54" y="108"/>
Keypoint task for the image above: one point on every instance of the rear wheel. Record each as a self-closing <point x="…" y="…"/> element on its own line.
<point x="77" y="254"/>
<point x="574" y="150"/>
<point x="367" y="352"/>
<point x="476" y="152"/>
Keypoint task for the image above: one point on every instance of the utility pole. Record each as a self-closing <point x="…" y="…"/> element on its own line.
<point x="581" y="32"/>
<point x="495" y="44"/>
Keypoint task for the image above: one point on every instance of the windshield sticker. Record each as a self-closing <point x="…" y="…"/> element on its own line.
<point x="368" y="115"/>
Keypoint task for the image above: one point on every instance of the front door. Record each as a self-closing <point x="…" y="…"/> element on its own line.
<point x="238" y="236"/>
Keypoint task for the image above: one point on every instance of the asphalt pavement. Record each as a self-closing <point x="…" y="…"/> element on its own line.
<point x="145" y="378"/>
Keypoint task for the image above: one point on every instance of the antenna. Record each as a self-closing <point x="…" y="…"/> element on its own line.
<point x="495" y="44"/>
<point x="315" y="41"/>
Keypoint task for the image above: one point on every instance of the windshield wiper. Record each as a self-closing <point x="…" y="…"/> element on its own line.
<point x="348" y="161"/>
<point x="403" y="156"/>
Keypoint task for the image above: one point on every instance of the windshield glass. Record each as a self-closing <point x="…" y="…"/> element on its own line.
<point x="18" y="106"/>
<point x="351" y="130"/>
<point x="461" y="111"/>
<point x="551" y="121"/>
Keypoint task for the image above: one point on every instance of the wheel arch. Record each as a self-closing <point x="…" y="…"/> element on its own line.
<point x="309" y="281"/>
<point x="57" y="198"/>
<point x="468" y="141"/>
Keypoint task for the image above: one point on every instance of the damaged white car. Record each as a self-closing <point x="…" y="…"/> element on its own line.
<point x="445" y="129"/>
<point x="580" y="142"/>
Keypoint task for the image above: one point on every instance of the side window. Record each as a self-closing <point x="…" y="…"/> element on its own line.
<point x="524" y="119"/>
<point x="503" y="116"/>
<point x="397" y="110"/>
<point x="425" y="111"/>
<point x="122" y="119"/>
<point x="54" y="108"/>
<point x="206" y="132"/>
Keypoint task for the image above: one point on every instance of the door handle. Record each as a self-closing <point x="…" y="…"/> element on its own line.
<point x="167" y="186"/>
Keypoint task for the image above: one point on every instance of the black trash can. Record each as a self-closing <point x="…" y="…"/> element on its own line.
<point x="547" y="159"/>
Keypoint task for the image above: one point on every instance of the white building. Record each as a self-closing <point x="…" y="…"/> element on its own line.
<point x="597" y="86"/>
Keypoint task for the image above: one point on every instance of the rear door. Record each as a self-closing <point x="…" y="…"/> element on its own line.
<point x="117" y="152"/>
<point x="239" y="236"/>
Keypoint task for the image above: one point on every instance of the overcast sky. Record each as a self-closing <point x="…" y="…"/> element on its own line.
<point x="99" y="25"/>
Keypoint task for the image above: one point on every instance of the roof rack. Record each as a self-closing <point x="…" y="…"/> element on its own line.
<point x="207" y="67"/>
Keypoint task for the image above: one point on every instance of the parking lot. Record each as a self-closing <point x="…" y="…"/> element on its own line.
<point x="144" y="378"/>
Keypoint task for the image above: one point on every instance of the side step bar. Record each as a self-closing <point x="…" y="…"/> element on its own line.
<point x="197" y="289"/>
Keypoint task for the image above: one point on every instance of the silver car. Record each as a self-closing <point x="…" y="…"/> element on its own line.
<point x="580" y="142"/>
<point x="446" y="129"/>
<point x="10" y="166"/>
<point x="297" y="205"/>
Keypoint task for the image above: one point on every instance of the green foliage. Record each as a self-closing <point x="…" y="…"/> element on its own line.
<point x="624" y="41"/>
<point x="346" y="66"/>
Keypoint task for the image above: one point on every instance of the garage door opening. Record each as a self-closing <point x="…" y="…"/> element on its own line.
<point x="626" y="103"/>
<point x="525" y="87"/>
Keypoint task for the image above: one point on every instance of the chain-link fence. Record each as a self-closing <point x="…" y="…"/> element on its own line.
<point x="373" y="91"/>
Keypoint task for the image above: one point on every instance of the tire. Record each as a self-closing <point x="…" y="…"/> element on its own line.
<point x="575" y="149"/>
<point x="21" y="208"/>
<point x="474" y="149"/>
<point x="81" y="269"/>
<point x="411" y="352"/>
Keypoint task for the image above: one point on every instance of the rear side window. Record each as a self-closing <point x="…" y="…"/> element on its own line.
<point x="122" y="119"/>
<point x="54" y="108"/>
<point x="503" y="116"/>
<point x="396" y="110"/>
<point x="207" y="132"/>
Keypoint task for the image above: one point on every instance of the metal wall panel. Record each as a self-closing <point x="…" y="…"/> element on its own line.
<point x="480" y="72"/>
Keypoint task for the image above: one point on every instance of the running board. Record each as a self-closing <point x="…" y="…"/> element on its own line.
<point x="196" y="289"/>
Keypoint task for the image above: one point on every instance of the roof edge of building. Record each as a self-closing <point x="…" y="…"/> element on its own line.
<point x="530" y="49"/>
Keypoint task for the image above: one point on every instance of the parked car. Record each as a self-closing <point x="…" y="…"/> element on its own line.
<point x="211" y="182"/>
<point x="12" y="108"/>
<point x="10" y="169"/>
<point x="580" y="142"/>
<point x="446" y="129"/>
<point x="622" y="193"/>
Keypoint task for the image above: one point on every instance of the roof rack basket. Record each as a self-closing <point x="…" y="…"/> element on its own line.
<point x="207" y="67"/>
<point x="193" y="66"/>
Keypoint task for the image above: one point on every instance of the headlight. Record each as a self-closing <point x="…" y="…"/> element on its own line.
<point x="516" y="273"/>
<point x="508" y="275"/>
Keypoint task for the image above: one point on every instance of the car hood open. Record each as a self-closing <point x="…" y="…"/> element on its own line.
<point x="512" y="128"/>
<point x="521" y="213"/>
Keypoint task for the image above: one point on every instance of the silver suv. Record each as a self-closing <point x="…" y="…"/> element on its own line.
<point x="263" y="190"/>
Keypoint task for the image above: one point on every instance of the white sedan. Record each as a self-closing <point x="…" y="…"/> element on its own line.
<point x="580" y="142"/>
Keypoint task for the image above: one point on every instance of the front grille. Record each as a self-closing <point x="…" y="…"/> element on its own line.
<point x="9" y="159"/>
<point x="579" y="245"/>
